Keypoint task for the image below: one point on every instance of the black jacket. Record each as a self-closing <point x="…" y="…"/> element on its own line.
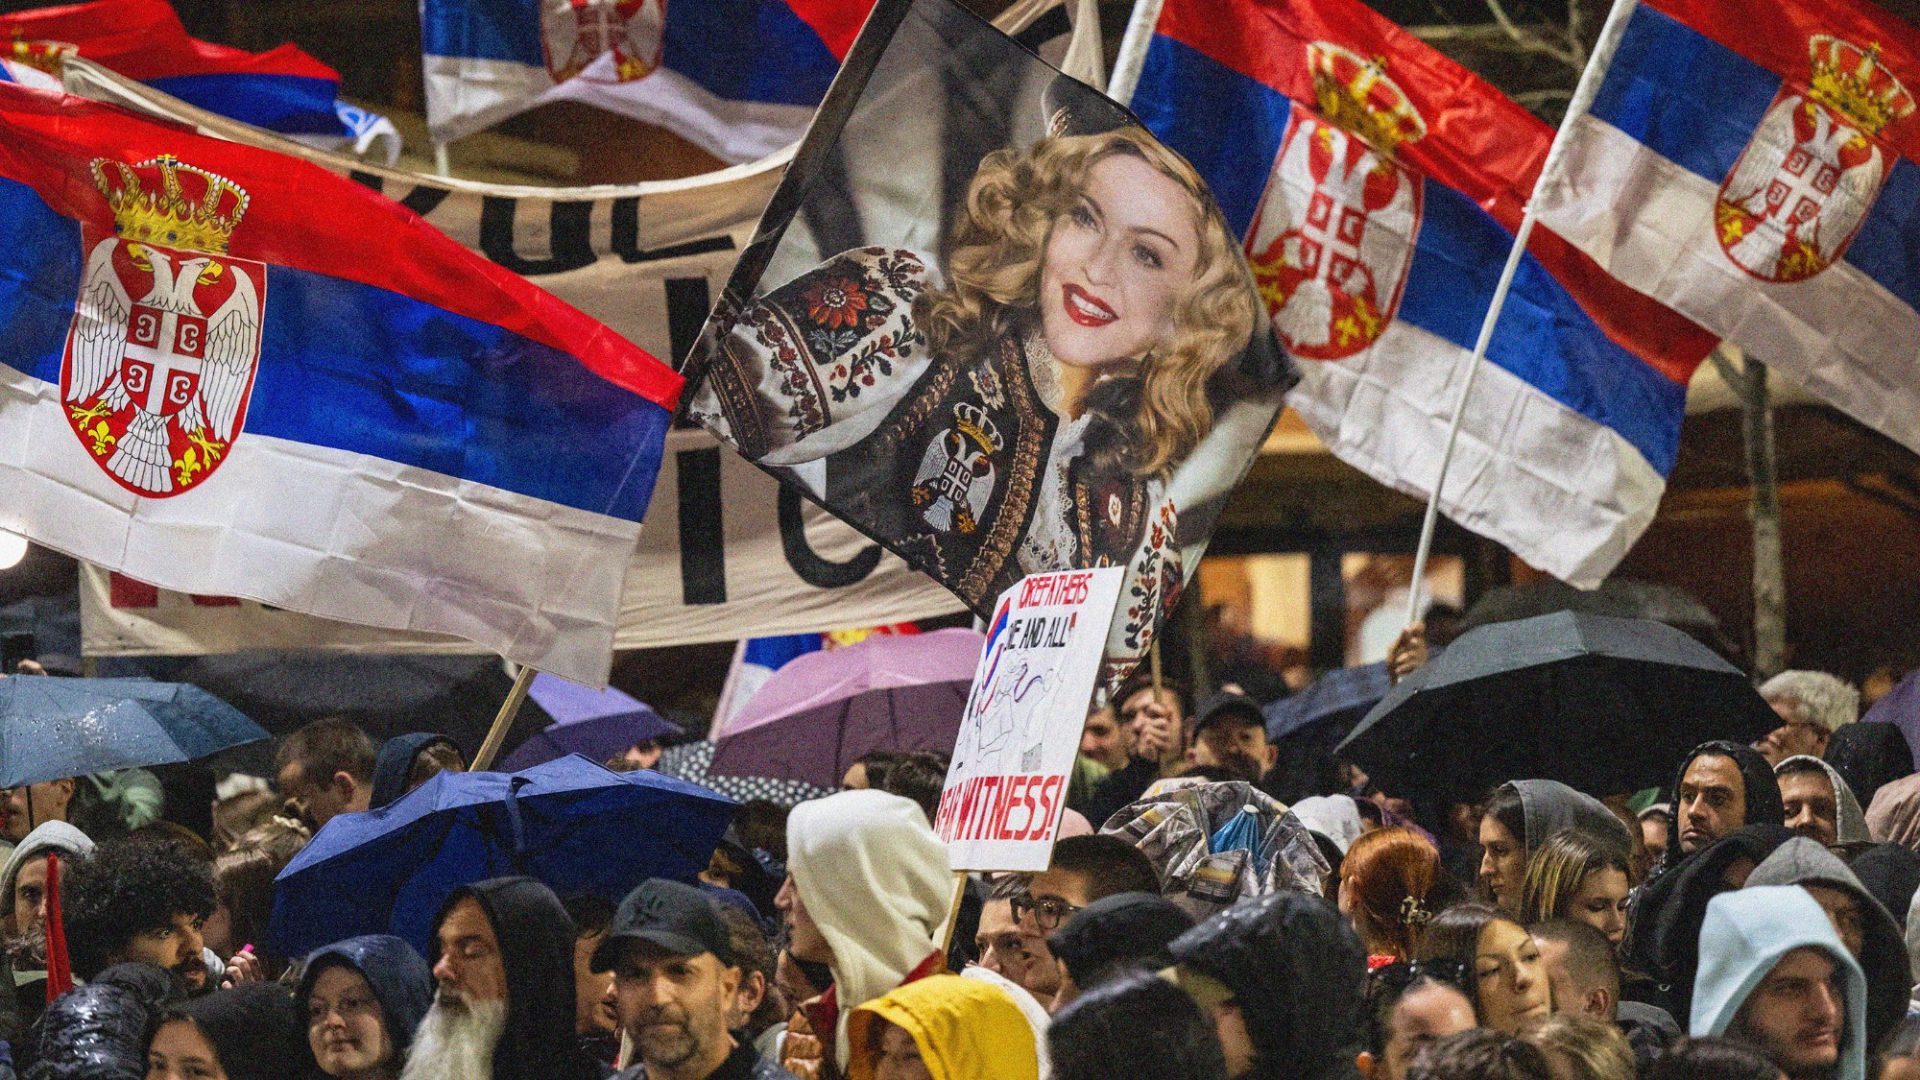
<point x="742" y="1064"/>
<point x="536" y="947"/>
<point x="1664" y="940"/>
<point x="98" y="1031"/>
<point x="258" y="1031"/>
<point x="1298" y="972"/>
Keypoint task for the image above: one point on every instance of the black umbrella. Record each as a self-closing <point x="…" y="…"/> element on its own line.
<point x="1618" y="597"/>
<point x="1603" y="704"/>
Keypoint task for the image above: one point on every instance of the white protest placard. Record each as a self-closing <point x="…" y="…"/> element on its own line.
<point x="1007" y="787"/>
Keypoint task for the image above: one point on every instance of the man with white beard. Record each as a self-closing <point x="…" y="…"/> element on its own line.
<point x="675" y="979"/>
<point x="503" y="1009"/>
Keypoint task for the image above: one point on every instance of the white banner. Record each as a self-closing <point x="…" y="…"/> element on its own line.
<point x="1001" y="807"/>
<point x="727" y="553"/>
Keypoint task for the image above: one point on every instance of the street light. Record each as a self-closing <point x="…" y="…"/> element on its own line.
<point x="13" y="548"/>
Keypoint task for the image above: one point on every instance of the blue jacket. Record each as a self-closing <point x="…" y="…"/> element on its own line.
<point x="1745" y="934"/>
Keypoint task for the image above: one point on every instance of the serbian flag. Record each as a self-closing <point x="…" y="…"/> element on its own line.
<point x="1378" y="186"/>
<point x="227" y="372"/>
<point x="283" y="90"/>
<point x="739" y="78"/>
<point x="1755" y="164"/>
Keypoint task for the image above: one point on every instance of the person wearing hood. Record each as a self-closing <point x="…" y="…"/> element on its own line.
<point x="1818" y="803"/>
<point x="503" y="1008"/>
<point x="1336" y="817"/>
<point x="1774" y="975"/>
<point x="364" y="998"/>
<point x="23" y="909"/>
<point x="1893" y="817"/>
<point x="98" y="1031"/>
<point x="1892" y="874"/>
<point x="942" y="1027"/>
<point x="251" y="1032"/>
<point x="1869" y="756"/>
<point x="407" y="761"/>
<point x="1521" y="816"/>
<point x="1663" y="936"/>
<point x="1282" y="975"/>
<point x="1721" y="786"/>
<point x="1138" y="1026"/>
<point x="867" y="893"/>
<point x="1116" y="934"/>
<point x="1871" y="934"/>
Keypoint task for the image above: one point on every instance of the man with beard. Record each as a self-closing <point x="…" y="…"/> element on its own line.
<point x="23" y="908"/>
<point x="139" y="900"/>
<point x="675" y="979"/>
<point x="503" y="1009"/>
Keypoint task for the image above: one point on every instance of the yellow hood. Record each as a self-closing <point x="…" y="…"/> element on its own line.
<point x="965" y="1029"/>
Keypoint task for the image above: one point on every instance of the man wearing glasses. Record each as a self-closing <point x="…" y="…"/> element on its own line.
<point x="1009" y="943"/>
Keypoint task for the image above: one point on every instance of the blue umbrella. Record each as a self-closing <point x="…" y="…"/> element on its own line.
<point x="570" y="823"/>
<point x="596" y="724"/>
<point x="52" y="728"/>
<point x="1343" y="695"/>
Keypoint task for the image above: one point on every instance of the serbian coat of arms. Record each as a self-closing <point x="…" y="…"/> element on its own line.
<point x="1814" y="166"/>
<point x="165" y="339"/>
<point x="575" y="33"/>
<point x="1333" y="236"/>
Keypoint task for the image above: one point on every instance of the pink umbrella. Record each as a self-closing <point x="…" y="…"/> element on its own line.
<point x="822" y="712"/>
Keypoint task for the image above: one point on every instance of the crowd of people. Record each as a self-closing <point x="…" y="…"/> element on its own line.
<point x="1211" y="911"/>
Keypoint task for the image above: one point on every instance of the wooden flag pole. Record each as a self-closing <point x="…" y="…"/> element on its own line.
<point x="503" y="720"/>
<point x="953" y="912"/>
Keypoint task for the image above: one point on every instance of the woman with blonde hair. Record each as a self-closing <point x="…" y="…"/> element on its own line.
<point x="1581" y="1047"/>
<point x="1022" y="403"/>
<point x="1385" y="880"/>
<point x="1579" y="876"/>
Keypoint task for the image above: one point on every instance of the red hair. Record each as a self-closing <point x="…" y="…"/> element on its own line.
<point x="1390" y="872"/>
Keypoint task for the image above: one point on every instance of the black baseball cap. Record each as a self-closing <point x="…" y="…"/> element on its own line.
<point x="1226" y="704"/>
<point x="679" y="918"/>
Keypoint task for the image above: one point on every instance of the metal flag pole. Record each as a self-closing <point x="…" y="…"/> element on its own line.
<point x="1133" y="50"/>
<point x="1583" y="95"/>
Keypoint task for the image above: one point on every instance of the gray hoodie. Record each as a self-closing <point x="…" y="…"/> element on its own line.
<point x="1850" y="821"/>
<point x="56" y="836"/>
<point x="1549" y="806"/>
<point x="1745" y="935"/>
<point x="1883" y="955"/>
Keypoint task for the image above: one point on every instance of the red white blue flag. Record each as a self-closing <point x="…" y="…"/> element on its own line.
<point x="739" y="78"/>
<point x="283" y="90"/>
<point x="227" y="372"/>
<point x="1756" y="165"/>
<point x="1378" y="186"/>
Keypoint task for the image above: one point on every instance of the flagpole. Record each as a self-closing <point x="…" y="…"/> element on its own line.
<point x="1583" y="95"/>
<point x="1133" y="50"/>
<point x="503" y="720"/>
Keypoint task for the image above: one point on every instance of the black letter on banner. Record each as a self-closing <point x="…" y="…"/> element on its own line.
<point x="703" y="542"/>
<point x="421" y="200"/>
<point x="626" y="237"/>
<point x="814" y="570"/>
<point x="571" y="241"/>
<point x="687" y="303"/>
<point x="366" y="179"/>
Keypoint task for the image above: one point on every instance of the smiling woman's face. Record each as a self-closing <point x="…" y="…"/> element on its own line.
<point x="1115" y="264"/>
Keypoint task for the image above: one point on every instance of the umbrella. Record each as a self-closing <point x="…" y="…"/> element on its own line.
<point x="1620" y="598"/>
<point x="820" y="713"/>
<point x="52" y="727"/>
<point x="1305" y="727"/>
<point x="570" y="823"/>
<point x="596" y="724"/>
<point x="693" y="762"/>
<point x="1901" y="707"/>
<point x="1215" y="844"/>
<point x="1602" y="704"/>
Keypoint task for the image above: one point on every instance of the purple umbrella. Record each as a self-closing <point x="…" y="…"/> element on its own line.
<point x="596" y="724"/>
<point x="1901" y="707"/>
<point x="822" y="712"/>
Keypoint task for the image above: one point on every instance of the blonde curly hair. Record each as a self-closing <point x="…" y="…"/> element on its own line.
<point x="1155" y="415"/>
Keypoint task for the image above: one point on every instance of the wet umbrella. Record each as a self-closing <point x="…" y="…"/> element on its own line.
<point x="1305" y="727"/>
<point x="693" y="762"/>
<point x="596" y="724"/>
<point x="1618" y="597"/>
<point x="820" y="713"/>
<point x="52" y="728"/>
<point x="1605" y="705"/>
<point x="570" y="823"/>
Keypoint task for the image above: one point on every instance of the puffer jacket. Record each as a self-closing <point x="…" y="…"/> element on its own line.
<point x="98" y="1031"/>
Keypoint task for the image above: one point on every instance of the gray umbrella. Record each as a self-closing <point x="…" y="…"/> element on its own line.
<point x="1602" y="704"/>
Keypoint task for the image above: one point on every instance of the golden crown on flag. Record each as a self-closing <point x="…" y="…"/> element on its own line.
<point x="165" y="201"/>
<point x="1853" y="82"/>
<point x="48" y="56"/>
<point x="1356" y="96"/>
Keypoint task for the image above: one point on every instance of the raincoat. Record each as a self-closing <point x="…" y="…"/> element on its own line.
<point x="536" y="947"/>
<point x="1883" y="955"/>
<point x="395" y="764"/>
<point x="98" y="1031"/>
<point x="965" y="1029"/>
<point x="398" y="977"/>
<point x="1869" y="756"/>
<point x="1850" y="823"/>
<point x="1297" y="971"/>
<point x="1744" y="935"/>
<point x="1192" y="835"/>
<point x="1663" y="939"/>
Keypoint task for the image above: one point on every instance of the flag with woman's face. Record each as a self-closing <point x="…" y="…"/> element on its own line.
<point x="992" y="322"/>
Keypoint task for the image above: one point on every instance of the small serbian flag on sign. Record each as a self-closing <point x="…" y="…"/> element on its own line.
<point x="739" y="78"/>
<point x="1378" y="186"/>
<point x="228" y="372"/>
<point x="1756" y="165"/>
<point x="283" y="90"/>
